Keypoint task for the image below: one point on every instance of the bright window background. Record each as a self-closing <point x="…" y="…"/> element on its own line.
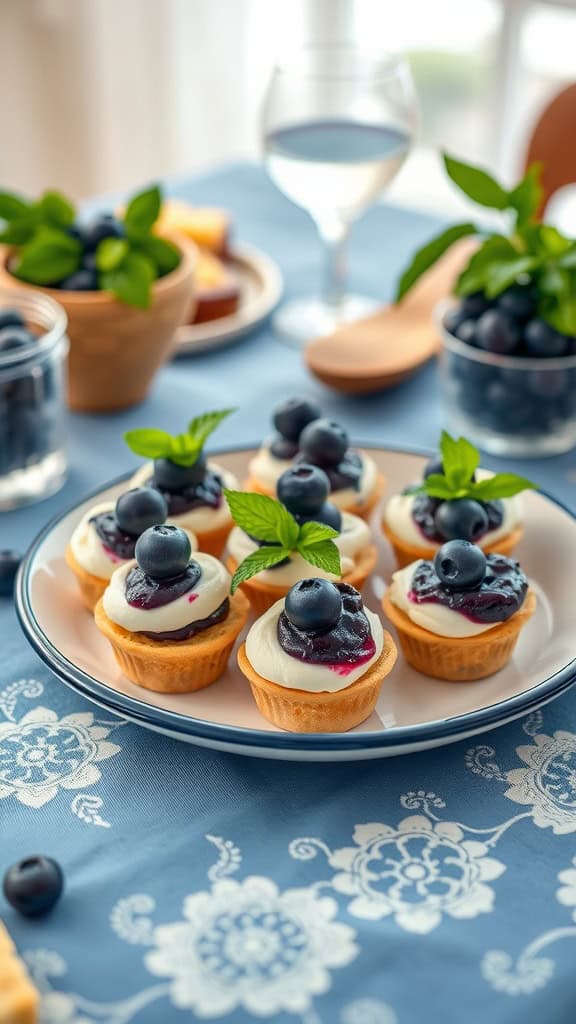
<point x="105" y="94"/>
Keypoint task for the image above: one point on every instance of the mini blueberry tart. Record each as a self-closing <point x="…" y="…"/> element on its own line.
<point x="278" y="452"/>
<point x="106" y="536"/>
<point x="459" y="617"/>
<point x="169" y="618"/>
<point x="191" y="486"/>
<point x="456" y="501"/>
<point x="356" y="485"/>
<point x="302" y="491"/>
<point x="316" y="660"/>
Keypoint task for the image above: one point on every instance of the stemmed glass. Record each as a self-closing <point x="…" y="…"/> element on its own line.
<point x="337" y="125"/>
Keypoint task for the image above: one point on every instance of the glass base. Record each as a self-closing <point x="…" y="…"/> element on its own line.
<point x="302" y="320"/>
<point x="33" y="483"/>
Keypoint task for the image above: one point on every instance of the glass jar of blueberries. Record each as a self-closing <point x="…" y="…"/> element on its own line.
<point x="508" y="378"/>
<point x="33" y="349"/>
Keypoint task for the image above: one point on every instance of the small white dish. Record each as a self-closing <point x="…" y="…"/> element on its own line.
<point x="414" y="712"/>
<point x="261" y="289"/>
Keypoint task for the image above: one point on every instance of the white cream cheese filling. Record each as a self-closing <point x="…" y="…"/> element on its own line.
<point x="196" y="519"/>
<point x="434" y="617"/>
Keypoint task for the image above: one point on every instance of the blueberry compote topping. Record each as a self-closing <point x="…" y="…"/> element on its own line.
<point x="187" y="487"/>
<point x="116" y="542"/>
<point x="496" y="598"/>
<point x="340" y="638"/>
<point x="143" y="591"/>
<point x="424" y="509"/>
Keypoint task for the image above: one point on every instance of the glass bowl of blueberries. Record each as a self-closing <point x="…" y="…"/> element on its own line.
<point x="508" y="377"/>
<point x="33" y="349"/>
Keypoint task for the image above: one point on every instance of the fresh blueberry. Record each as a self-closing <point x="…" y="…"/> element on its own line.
<point x="314" y="605"/>
<point x="11" y="318"/>
<point x="542" y="340"/>
<point x="328" y="514"/>
<point x="460" y="565"/>
<point x="518" y="301"/>
<point x="12" y="338"/>
<point x="78" y="233"/>
<point x="474" y="305"/>
<point x="33" y="885"/>
<point x="105" y="226"/>
<point x="81" y="281"/>
<point x="139" y="509"/>
<point x="282" y="448"/>
<point x="432" y="467"/>
<point x="453" y="318"/>
<point x="9" y="562"/>
<point x="89" y="261"/>
<point x="461" y="519"/>
<point x="291" y="416"/>
<point x="303" y="488"/>
<point x="547" y="383"/>
<point x="324" y="442"/>
<point x="466" y="332"/>
<point x="497" y="332"/>
<point x="176" y="478"/>
<point x="163" y="551"/>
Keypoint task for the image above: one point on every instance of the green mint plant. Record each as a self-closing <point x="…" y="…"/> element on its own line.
<point x="265" y="519"/>
<point x="525" y="250"/>
<point x="181" y="449"/>
<point x="460" y="460"/>
<point x="47" y="245"/>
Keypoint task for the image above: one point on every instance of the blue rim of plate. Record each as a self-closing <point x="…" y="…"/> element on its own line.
<point x="139" y="711"/>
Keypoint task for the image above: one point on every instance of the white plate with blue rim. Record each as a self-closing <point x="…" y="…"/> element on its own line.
<point x="414" y="712"/>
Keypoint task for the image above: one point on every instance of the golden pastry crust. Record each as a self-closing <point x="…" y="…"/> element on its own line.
<point x="91" y="587"/>
<point x="458" y="659"/>
<point x="302" y="711"/>
<point x="407" y="553"/>
<point x="180" y="666"/>
<point x="19" y="1000"/>
<point x="213" y="542"/>
<point x="263" y="595"/>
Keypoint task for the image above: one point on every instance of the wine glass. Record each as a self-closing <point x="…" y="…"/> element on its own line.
<point x="337" y="125"/>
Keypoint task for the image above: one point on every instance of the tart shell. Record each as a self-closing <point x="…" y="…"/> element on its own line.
<point x="458" y="659"/>
<point x="91" y="587"/>
<point x="175" y="667"/>
<point x="303" y="711"/>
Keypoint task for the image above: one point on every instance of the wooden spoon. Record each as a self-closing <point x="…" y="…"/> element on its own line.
<point x="382" y="349"/>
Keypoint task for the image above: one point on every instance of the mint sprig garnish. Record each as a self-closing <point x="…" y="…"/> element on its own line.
<point x="523" y="250"/>
<point x="182" y="449"/>
<point x="460" y="460"/>
<point x="45" y="252"/>
<point x="268" y="520"/>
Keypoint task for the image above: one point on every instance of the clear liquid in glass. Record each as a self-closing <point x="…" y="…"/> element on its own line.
<point x="337" y="166"/>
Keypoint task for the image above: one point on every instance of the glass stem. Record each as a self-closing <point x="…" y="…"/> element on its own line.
<point x="334" y="235"/>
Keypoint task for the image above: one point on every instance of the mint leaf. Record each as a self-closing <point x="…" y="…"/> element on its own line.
<point x="324" y="555"/>
<point x="496" y="249"/>
<point x="151" y="443"/>
<point x="131" y="282"/>
<point x="13" y="207"/>
<point x="429" y="254"/>
<point x="110" y="253"/>
<point x="184" y="450"/>
<point x="164" y="254"/>
<point x="460" y="460"/>
<point x="568" y="259"/>
<point x="262" y="517"/>
<point x="143" y="211"/>
<point x="20" y="231"/>
<point x="202" y="426"/>
<point x="525" y="199"/>
<point x="502" y="485"/>
<point x="437" y="486"/>
<point x="477" y="184"/>
<point x="51" y="256"/>
<point x="254" y="563"/>
<point x="312" y="533"/>
<point x="55" y="209"/>
<point x="552" y="241"/>
<point x="562" y="314"/>
<point x="500" y="276"/>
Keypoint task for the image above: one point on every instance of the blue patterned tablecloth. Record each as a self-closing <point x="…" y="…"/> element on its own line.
<point x="436" y="887"/>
